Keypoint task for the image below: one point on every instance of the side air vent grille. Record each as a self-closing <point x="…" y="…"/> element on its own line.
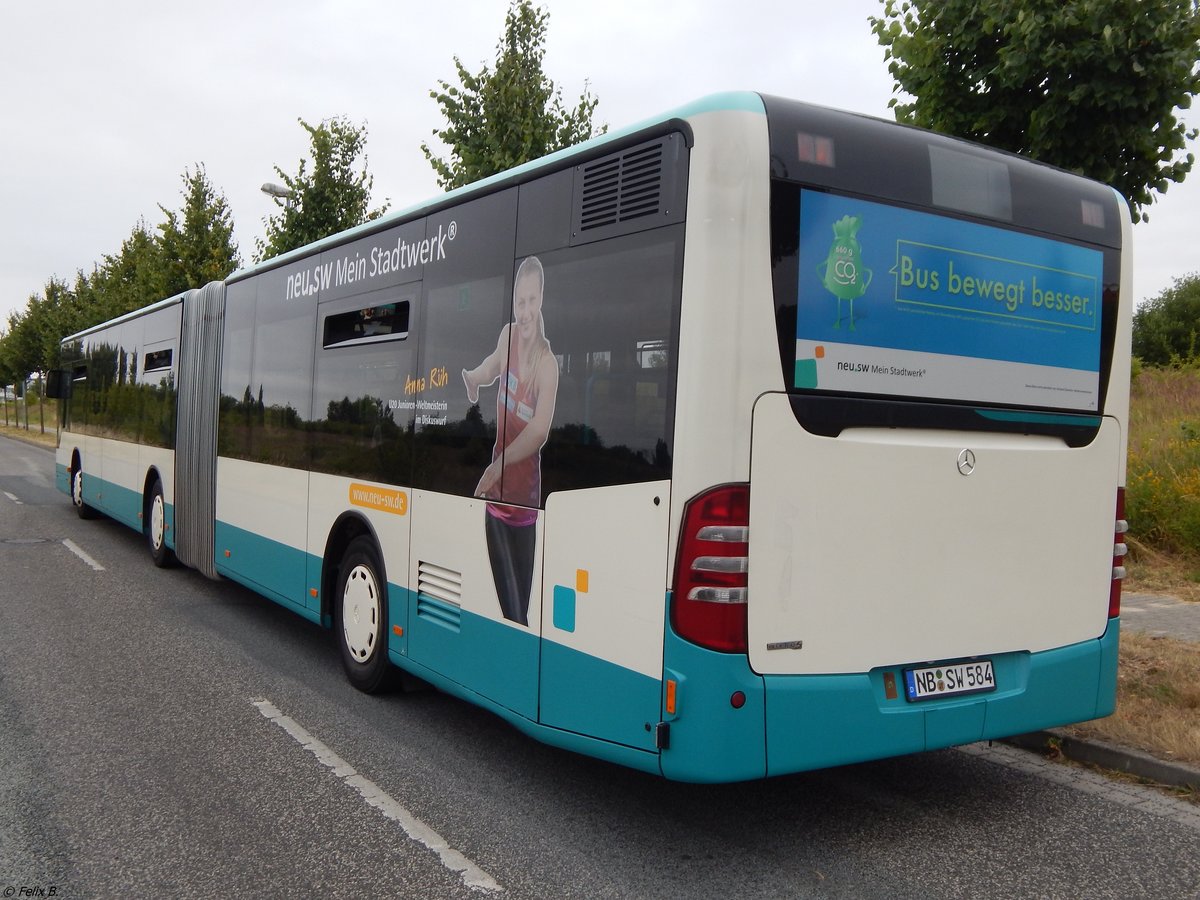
<point x="633" y="190"/>
<point x="439" y="595"/>
<point x="624" y="188"/>
<point x="436" y="581"/>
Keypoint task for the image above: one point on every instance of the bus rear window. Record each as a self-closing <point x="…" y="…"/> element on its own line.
<point x="901" y="303"/>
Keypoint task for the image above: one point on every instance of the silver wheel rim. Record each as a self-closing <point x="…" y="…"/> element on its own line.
<point x="158" y="522"/>
<point x="77" y="487"/>
<point x="360" y="613"/>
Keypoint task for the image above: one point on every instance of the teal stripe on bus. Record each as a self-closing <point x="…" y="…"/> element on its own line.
<point x="620" y="754"/>
<point x="592" y="696"/>
<point x="711" y="739"/>
<point x="62" y="478"/>
<point x="1036" y="418"/>
<point x="479" y="653"/>
<point x="112" y="499"/>
<point x="273" y="569"/>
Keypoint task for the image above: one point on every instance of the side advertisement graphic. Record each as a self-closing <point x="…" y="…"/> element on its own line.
<point x="898" y="302"/>
<point x="526" y="372"/>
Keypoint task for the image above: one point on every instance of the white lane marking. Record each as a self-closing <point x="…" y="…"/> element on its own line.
<point x="78" y="551"/>
<point x="13" y="498"/>
<point x="472" y="876"/>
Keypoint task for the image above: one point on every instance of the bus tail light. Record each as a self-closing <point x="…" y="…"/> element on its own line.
<point x="1119" y="551"/>
<point x="708" y="604"/>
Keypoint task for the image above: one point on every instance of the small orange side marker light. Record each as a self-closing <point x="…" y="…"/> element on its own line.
<point x="312" y="591"/>
<point x="671" y="696"/>
<point x="398" y="631"/>
<point x="228" y="554"/>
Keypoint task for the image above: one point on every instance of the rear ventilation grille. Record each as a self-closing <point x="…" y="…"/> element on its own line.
<point x="439" y="595"/>
<point x="633" y="190"/>
<point x="622" y="188"/>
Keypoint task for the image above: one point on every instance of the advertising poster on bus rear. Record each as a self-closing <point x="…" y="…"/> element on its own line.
<point x="896" y="302"/>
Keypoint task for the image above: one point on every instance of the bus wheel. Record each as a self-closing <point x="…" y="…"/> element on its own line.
<point x="84" y="511"/>
<point x="361" y="611"/>
<point x="154" y="521"/>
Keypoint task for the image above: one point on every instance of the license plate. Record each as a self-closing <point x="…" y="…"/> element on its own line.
<point x="931" y="682"/>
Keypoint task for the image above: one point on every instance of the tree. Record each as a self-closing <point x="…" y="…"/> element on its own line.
<point x="132" y="278"/>
<point x="500" y="119"/>
<point x="20" y="351"/>
<point x="192" y="247"/>
<point x="332" y="197"/>
<point x="1091" y="86"/>
<point x="1166" y="328"/>
<point x="196" y="242"/>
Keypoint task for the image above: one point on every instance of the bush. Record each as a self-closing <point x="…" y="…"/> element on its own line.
<point x="1166" y="328"/>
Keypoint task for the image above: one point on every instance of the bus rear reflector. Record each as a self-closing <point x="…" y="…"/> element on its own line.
<point x="1119" y="551"/>
<point x="708" y="605"/>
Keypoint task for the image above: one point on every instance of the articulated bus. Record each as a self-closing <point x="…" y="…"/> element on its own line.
<point x="756" y="438"/>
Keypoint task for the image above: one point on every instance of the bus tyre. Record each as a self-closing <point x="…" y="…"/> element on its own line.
<point x="154" y="521"/>
<point x="84" y="511"/>
<point x="361" y="616"/>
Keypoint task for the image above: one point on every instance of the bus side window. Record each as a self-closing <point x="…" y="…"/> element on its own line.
<point x="465" y="305"/>
<point x="361" y="426"/>
<point x="238" y="407"/>
<point x="610" y="311"/>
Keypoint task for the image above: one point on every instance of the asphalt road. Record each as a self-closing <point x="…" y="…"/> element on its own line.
<point x="166" y="735"/>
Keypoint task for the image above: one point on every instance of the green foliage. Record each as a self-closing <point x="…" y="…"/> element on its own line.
<point x="129" y="279"/>
<point x="501" y="118"/>
<point x="1091" y="86"/>
<point x="332" y="197"/>
<point x="19" y="349"/>
<point x="1165" y="328"/>
<point x="196" y="243"/>
<point x="192" y="247"/>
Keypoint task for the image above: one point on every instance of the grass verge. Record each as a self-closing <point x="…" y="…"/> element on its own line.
<point x="1158" y="700"/>
<point x="34" y="435"/>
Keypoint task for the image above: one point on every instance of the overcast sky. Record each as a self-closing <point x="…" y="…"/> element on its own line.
<point x="106" y="104"/>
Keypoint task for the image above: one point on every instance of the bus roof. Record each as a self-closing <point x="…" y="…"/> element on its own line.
<point x="144" y="311"/>
<point x="733" y="101"/>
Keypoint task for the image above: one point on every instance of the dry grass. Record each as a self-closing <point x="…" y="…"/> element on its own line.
<point x="1158" y="700"/>
<point x="1162" y="499"/>
<point x="33" y="434"/>
<point x="1158" y="679"/>
<point x="1152" y="571"/>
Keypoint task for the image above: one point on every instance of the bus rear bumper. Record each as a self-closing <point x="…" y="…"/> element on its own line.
<point x="794" y="723"/>
<point x="816" y="721"/>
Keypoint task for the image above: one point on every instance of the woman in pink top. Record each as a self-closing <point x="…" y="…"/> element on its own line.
<point x="528" y="371"/>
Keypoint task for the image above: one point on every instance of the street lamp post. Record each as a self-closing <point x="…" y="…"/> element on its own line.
<point x="281" y="193"/>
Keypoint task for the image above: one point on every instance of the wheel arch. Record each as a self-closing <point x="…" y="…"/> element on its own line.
<point x="347" y="527"/>
<point x="152" y="475"/>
